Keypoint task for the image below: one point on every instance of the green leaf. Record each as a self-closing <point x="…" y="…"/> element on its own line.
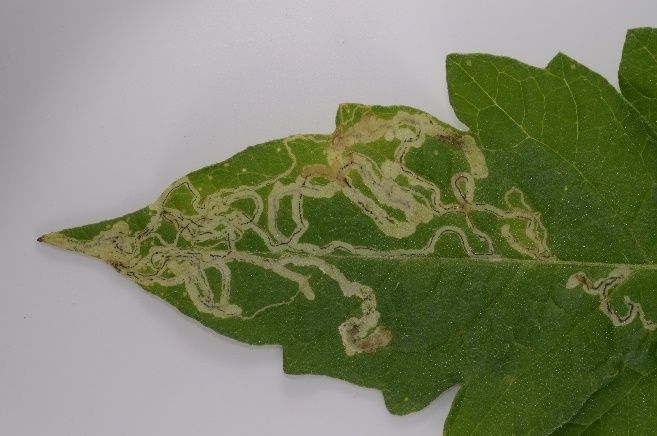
<point x="638" y="72"/>
<point x="567" y="139"/>
<point x="517" y="259"/>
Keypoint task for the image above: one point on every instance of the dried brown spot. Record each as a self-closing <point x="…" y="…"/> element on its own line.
<point x="117" y="265"/>
<point x="455" y="140"/>
<point x="319" y="170"/>
<point x="339" y="140"/>
<point x="584" y="280"/>
<point x="379" y="338"/>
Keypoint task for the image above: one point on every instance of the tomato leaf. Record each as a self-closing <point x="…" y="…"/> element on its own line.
<point x="517" y="259"/>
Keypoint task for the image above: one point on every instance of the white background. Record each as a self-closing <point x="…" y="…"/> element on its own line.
<point x="104" y="103"/>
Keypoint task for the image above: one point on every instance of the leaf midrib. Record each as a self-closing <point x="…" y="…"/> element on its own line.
<point x="482" y="259"/>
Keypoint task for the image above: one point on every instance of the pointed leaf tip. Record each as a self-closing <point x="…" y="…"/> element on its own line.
<point x="57" y="239"/>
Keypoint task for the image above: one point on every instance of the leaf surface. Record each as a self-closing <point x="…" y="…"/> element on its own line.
<point x="638" y="71"/>
<point x="399" y="253"/>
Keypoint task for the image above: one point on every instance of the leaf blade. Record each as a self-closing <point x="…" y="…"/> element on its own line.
<point x="401" y="254"/>
<point x="637" y="72"/>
